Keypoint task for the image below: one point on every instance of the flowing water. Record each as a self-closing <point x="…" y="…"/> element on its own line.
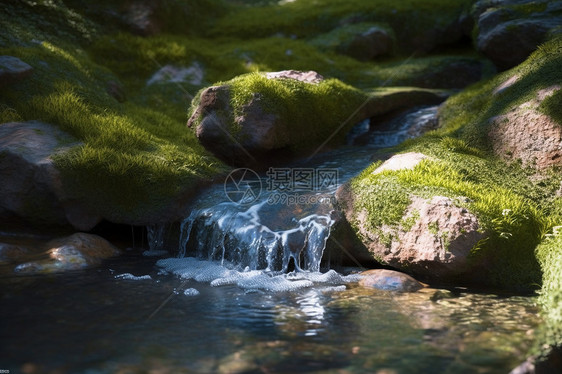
<point x="250" y="290"/>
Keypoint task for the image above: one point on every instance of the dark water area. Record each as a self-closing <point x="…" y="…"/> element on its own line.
<point x="93" y="321"/>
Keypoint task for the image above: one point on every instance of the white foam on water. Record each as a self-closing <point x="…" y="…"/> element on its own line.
<point x="129" y="276"/>
<point x="251" y="280"/>
<point x="191" y="292"/>
<point x="333" y="289"/>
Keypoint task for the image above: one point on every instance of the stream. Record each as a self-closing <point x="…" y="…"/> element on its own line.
<point x="249" y="289"/>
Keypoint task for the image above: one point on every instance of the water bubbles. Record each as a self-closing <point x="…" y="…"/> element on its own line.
<point x="129" y="276"/>
<point x="191" y="292"/>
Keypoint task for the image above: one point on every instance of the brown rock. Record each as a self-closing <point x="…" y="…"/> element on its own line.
<point x="526" y="134"/>
<point x="74" y="252"/>
<point x="31" y="186"/>
<point x="13" y="69"/>
<point x="389" y="280"/>
<point x="433" y="241"/>
<point x="302" y="76"/>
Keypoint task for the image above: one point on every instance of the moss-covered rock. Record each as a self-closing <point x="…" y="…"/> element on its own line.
<point x="417" y="24"/>
<point x="363" y="41"/>
<point x="515" y="206"/>
<point x="510" y="31"/>
<point x="260" y="116"/>
<point x="549" y="343"/>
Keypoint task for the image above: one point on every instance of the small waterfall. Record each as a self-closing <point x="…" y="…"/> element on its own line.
<point x="228" y="232"/>
<point x="289" y="224"/>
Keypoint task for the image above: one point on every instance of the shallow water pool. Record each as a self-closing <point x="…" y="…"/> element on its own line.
<point x="98" y="321"/>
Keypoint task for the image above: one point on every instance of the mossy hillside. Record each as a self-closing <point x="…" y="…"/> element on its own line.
<point x="25" y="22"/>
<point x="409" y="18"/>
<point x="134" y="59"/>
<point x="467" y="114"/>
<point x="135" y="157"/>
<point x="507" y="204"/>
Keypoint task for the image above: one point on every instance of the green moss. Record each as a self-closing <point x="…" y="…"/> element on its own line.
<point x="409" y="18"/>
<point x="552" y="106"/>
<point x="511" y="209"/>
<point x="528" y="8"/>
<point x="328" y="104"/>
<point x="27" y="22"/>
<point x="409" y="221"/>
<point x="338" y="40"/>
<point x="467" y="114"/>
<point x="549" y="254"/>
<point x="136" y="155"/>
<point x="8" y="114"/>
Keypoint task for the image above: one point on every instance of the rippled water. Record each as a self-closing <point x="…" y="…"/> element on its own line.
<point x="96" y="321"/>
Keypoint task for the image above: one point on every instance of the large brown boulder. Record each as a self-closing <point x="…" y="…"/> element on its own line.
<point x="433" y="240"/>
<point x="250" y="132"/>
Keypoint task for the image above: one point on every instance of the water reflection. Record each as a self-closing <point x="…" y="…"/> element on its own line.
<point x="311" y="306"/>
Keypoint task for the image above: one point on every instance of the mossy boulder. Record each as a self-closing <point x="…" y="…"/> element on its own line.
<point x="258" y="117"/>
<point x="434" y="236"/>
<point x="508" y="32"/>
<point x="363" y="41"/>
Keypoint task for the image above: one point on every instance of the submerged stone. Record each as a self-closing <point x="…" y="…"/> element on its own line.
<point x="74" y="252"/>
<point x="389" y="280"/>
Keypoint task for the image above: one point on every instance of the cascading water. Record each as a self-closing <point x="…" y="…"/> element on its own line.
<point x="256" y="241"/>
<point x="251" y="243"/>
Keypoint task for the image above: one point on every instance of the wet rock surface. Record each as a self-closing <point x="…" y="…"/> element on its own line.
<point x="74" y="252"/>
<point x="389" y="280"/>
